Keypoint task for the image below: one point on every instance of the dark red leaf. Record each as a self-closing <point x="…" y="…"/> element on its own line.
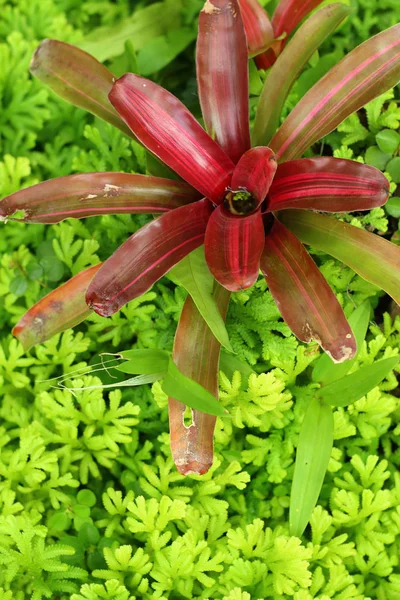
<point x="166" y="127"/>
<point x="327" y="184"/>
<point x="90" y="194"/>
<point x="196" y="354"/>
<point x="78" y="78"/>
<point x="62" y="309"/>
<point x="371" y="256"/>
<point x="255" y="172"/>
<point x="222" y="74"/>
<point x="233" y="246"/>
<point x="146" y="256"/>
<point x="303" y="296"/>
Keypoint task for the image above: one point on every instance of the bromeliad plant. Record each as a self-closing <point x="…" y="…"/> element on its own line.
<point x="249" y="200"/>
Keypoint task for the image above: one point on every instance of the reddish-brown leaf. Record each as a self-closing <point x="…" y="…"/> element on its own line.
<point x="61" y="309"/>
<point x="196" y="354"/>
<point x="303" y="296"/>
<point x="78" y="78"/>
<point x="91" y="194"/>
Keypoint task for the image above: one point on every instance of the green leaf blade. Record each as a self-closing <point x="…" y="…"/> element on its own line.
<point x="144" y="362"/>
<point x="189" y="392"/>
<point x="352" y="387"/>
<point x="312" y="458"/>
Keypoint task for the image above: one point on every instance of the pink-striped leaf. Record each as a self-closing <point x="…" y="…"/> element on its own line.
<point x="288" y="66"/>
<point x="146" y="256"/>
<point x="304" y="298"/>
<point x="368" y="71"/>
<point x="327" y="184"/>
<point x="78" y="78"/>
<point x="257" y="25"/>
<point x="91" y="194"/>
<point x="255" y="172"/>
<point x="166" y="127"/>
<point x="233" y="247"/>
<point x="61" y="309"/>
<point x="196" y="354"/>
<point x="222" y="74"/>
<point x="371" y="256"/>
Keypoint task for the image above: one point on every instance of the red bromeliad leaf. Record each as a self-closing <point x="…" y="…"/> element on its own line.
<point x="258" y="27"/>
<point x="289" y="13"/>
<point x="255" y="172"/>
<point x="304" y="298"/>
<point x="78" y="78"/>
<point x="90" y="194"/>
<point x="166" y="127"/>
<point x="372" y="257"/>
<point x="233" y="246"/>
<point x="146" y="256"/>
<point x="327" y="184"/>
<point x="368" y="71"/>
<point x="61" y="309"/>
<point x="222" y="73"/>
<point x="288" y="66"/>
<point x="196" y="354"/>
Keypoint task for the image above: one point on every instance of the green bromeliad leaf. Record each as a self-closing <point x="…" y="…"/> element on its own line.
<point x="194" y="275"/>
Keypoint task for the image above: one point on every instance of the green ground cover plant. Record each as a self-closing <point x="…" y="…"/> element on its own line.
<point x="91" y="504"/>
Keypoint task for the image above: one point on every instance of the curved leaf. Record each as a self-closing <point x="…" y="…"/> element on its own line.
<point x="258" y="27"/>
<point x="255" y="172"/>
<point x="328" y="184"/>
<point x="288" y="66"/>
<point x="91" y="194"/>
<point x="222" y="74"/>
<point x="362" y="75"/>
<point x="143" y="361"/>
<point x="78" y="78"/>
<point x="146" y="256"/>
<point x="165" y="126"/>
<point x="304" y="298"/>
<point x="61" y="309"/>
<point x="372" y="257"/>
<point x="233" y="247"/>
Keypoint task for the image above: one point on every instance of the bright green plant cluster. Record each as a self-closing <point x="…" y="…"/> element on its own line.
<point x="91" y="505"/>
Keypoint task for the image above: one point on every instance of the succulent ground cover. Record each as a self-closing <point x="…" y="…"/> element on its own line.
<point x="91" y="504"/>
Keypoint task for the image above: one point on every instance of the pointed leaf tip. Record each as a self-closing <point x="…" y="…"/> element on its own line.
<point x="146" y="256"/>
<point x="303" y="296"/>
<point x="76" y="77"/>
<point x="61" y="309"/>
